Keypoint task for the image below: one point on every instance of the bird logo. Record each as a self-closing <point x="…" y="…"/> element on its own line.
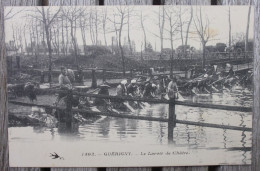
<point x="56" y="156"/>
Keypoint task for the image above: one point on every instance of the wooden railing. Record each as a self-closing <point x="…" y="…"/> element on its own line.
<point x="172" y="121"/>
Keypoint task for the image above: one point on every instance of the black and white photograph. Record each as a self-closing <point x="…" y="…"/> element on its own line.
<point x="129" y="86"/>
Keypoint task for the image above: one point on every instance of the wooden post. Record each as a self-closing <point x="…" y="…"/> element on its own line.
<point x="94" y="79"/>
<point x="104" y="75"/>
<point x="171" y="120"/>
<point x="68" y="112"/>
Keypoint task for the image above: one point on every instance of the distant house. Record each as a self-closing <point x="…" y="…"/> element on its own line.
<point x="166" y="53"/>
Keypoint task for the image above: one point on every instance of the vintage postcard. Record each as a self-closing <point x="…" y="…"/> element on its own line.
<point x="129" y="86"/>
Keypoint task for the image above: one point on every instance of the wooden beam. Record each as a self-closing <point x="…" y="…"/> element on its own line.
<point x="171" y="120"/>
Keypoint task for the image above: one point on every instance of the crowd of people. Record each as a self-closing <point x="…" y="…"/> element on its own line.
<point x="207" y="81"/>
<point x="162" y="86"/>
<point x="144" y="87"/>
<point x="149" y="88"/>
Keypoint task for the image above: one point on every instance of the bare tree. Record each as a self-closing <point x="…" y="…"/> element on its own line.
<point x="104" y="21"/>
<point x="63" y="50"/>
<point x="143" y="29"/>
<point x="32" y="43"/>
<point x="161" y="17"/>
<point x="204" y="32"/>
<point x="73" y="14"/>
<point x="181" y="25"/>
<point x="43" y="38"/>
<point x="229" y="33"/>
<point x="37" y="36"/>
<point x="83" y="27"/>
<point x="33" y="40"/>
<point x="96" y="19"/>
<point x="129" y="11"/>
<point x="188" y="27"/>
<point x="67" y="36"/>
<point x="119" y="20"/>
<point x="142" y="51"/>
<point x="92" y="33"/>
<point x="47" y="18"/>
<point x="25" y="40"/>
<point x="10" y="14"/>
<point x="56" y="38"/>
<point x="116" y="32"/>
<point x="19" y="37"/>
<point x="16" y="41"/>
<point x="247" y="27"/>
<point x="171" y="16"/>
<point x="184" y="39"/>
<point x="94" y="24"/>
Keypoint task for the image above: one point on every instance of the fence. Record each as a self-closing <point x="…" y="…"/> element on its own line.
<point x="171" y="120"/>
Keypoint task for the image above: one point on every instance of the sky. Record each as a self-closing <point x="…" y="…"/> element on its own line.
<point x="217" y="16"/>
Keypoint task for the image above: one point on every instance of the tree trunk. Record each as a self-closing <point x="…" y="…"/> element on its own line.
<point x="73" y="42"/>
<point x="96" y="26"/>
<point x="34" y="41"/>
<point x="247" y="27"/>
<point x="25" y="41"/>
<point x="67" y="37"/>
<point x="62" y="36"/>
<point x="104" y="32"/>
<point x="128" y="32"/>
<point x="116" y="50"/>
<point x="31" y="39"/>
<point x="181" y="27"/>
<point x="43" y="38"/>
<point x="188" y="30"/>
<point x="229" y="34"/>
<point x="50" y="53"/>
<point x="142" y="24"/>
<point x="203" y="54"/>
<point x="83" y="35"/>
<point x="104" y="25"/>
<point x="37" y="38"/>
<point x="161" y="27"/>
<point x="121" y="48"/>
<point x="91" y="29"/>
<point x="48" y="44"/>
<point x="171" y="66"/>
<point x="142" y="52"/>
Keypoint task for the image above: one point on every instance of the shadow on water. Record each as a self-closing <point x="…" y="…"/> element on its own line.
<point x="104" y="125"/>
<point x="243" y="140"/>
<point x="68" y="128"/>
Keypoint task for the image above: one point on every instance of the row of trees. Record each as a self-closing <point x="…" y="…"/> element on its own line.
<point x="58" y="29"/>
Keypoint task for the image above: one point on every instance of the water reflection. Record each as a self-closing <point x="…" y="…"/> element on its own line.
<point x="104" y="126"/>
<point x="68" y="128"/>
<point x="110" y="129"/>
